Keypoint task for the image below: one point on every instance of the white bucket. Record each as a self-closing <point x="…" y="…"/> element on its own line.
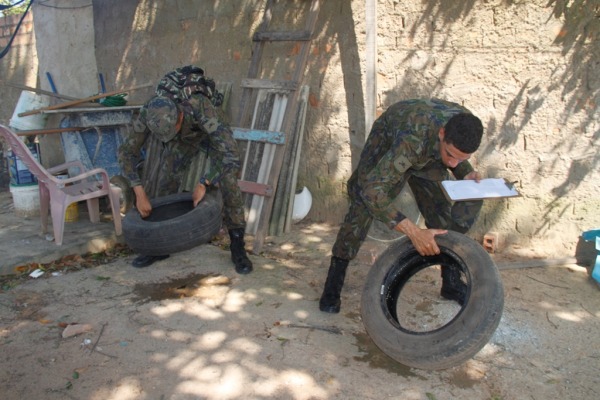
<point x="30" y="101"/>
<point x="302" y="204"/>
<point x="26" y="200"/>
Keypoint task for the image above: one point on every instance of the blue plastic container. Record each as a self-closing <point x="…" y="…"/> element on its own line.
<point x="18" y="171"/>
<point x="594" y="235"/>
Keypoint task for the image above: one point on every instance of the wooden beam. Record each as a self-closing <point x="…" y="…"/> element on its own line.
<point x="75" y="102"/>
<point x="50" y="130"/>
<point x="503" y="265"/>
<point x="255" y="188"/>
<point x="371" y="65"/>
<point x="300" y="36"/>
<point x="39" y="91"/>
<point x="268" y="84"/>
<point x="257" y="135"/>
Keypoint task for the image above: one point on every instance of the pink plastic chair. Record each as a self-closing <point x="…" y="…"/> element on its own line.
<point x="56" y="194"/>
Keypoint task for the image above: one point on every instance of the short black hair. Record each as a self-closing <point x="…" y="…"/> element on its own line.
<point x="464" y="131"/>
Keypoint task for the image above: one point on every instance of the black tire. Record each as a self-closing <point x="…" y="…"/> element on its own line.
<point x="127" y="197"/>
<point x="174" y="225"/>
<point x="466" y="331"/>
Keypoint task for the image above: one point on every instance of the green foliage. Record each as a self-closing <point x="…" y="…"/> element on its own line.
<point x="20" y="9"/>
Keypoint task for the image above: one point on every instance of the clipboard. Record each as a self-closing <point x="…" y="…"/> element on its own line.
<point x="489" y="188"/>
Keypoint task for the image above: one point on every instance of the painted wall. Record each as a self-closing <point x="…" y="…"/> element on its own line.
<point x="527" y="69"/>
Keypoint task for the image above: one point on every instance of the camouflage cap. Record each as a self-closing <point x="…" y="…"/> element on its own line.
<point x="160" y="115"/>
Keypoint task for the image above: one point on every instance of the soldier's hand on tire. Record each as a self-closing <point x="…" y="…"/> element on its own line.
<point x="199" y="192"/>
<point x="422" y="239"/>
<point x="142" y="202"/>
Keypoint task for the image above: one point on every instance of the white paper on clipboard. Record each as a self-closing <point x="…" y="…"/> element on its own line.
<point x="484" y="189"/>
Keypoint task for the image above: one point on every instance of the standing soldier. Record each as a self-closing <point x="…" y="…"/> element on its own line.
<point x="177" y="124"/>
<point x="414" y="142"/>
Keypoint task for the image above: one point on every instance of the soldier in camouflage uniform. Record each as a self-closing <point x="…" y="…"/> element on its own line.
<point x="416" y="142"/>
<point x="184" y="126"/>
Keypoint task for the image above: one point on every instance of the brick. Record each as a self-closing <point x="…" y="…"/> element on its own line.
<point x="491" y="242"/>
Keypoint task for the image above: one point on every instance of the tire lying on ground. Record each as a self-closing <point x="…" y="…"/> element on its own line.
<point x="425" y="345"/>
<point x="174" y="224"/>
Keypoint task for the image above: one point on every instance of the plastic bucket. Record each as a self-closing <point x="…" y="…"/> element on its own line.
<point x="26" y="200"/>
<point x="29" y="101"/>
<point x="72" y="213"/>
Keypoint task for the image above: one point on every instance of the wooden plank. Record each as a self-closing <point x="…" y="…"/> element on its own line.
<point x="259" y="189"/>
<point x="84" y="100"/>
<point x="258" y="135"/>
<point x="38" y="91"/>
<point x="287" y="185"/>
<point x="269" y="84"/>
<point x="276" y="104"/>
<point x="254" y="152"/>
<point x="97" y="108"/>
<point x="281" y="36"/>
<point x="296" y="161"/>
<point x="503" y="265"/>
<point x="371" y="65"/>
<point x="48" y="131"/>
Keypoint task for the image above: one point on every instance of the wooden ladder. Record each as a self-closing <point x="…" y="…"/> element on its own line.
<point x="253" y="86"/>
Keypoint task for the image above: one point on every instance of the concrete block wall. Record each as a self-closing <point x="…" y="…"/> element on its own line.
<point x="511" y="64"/>
<point x="526" y="69"/>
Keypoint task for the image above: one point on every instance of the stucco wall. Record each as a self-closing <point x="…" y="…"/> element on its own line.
<point x="536" y="97"/>
<point x="62" y="45"/>
<point x="530" y="78"/>
<point x="526" y="69"/>
<point x="18" y="66"/>
<point x="65" y="35"/>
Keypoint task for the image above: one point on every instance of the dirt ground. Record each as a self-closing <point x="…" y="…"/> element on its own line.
<point x="190" y="328"/>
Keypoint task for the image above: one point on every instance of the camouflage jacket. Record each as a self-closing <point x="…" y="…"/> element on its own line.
<point x="203" y="125"/>
<point x="404" y="141"/>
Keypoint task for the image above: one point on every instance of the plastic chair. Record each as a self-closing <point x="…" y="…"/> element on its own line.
<point x="56" y="194"/>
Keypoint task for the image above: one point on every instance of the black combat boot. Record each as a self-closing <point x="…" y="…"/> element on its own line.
<point x="453" y="288"/>
<point x="243" y="265"/>
<point x="143" y="261"/>
<point x="330" y="299"/>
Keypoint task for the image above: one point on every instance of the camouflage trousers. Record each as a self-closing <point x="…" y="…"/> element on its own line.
<point x="437" y="211"/>
<point x="166" y="166"/>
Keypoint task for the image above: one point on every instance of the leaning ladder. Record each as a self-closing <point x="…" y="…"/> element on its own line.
<point x="253" y="85"/>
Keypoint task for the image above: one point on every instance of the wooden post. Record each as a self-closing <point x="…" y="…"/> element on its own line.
<point x="371" y="65"/>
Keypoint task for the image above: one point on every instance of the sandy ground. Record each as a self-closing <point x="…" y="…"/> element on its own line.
<point x="190" y="328"/>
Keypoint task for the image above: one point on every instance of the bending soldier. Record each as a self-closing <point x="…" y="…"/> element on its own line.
<point x="416" y="142"/>
<point x="183" y="126"/>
